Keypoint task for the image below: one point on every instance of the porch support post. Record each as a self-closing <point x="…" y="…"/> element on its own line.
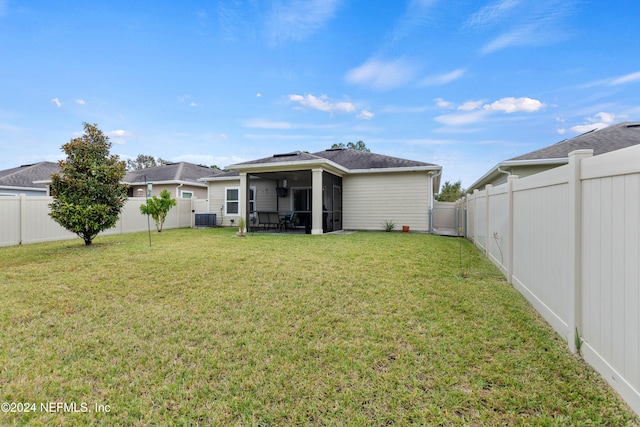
<point x="243" y="208"/>
<point x="316" y="203"/>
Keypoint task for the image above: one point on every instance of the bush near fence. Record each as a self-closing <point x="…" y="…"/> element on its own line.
<point x="568" y="240"/>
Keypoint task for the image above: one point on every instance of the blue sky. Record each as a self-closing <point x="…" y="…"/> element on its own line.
<point x="463" y="84"/>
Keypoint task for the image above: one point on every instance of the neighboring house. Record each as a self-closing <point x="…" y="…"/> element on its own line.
<point x="30" y="180"/>
<point x="330" y="190"/>
<point x="180" y="179"/>
<point x="604" y="140"/>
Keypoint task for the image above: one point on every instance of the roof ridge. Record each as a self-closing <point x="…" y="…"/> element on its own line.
<point x="21" y="169"/>
<point x="179" y="171"/>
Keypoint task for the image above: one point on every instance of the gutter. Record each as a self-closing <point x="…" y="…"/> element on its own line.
<point x="497" y="169"/>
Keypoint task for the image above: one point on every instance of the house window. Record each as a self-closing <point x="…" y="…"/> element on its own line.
<point x="301" y="199"/>
<point x="187" y="194"/>
<point x="232" y="200"/>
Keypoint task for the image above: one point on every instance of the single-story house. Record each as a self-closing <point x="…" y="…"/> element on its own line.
<point x="621" y="135"/>
<point x="180" y="179"/>
<point x="335" y="189"/>
<point x="29" y="180"/>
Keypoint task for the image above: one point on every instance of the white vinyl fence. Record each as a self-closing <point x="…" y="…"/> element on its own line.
<point x="26" y="219"/>
<point x="569" y="240"/>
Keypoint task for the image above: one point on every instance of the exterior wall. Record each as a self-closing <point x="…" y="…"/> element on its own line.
<point x="265" y="198"/>
<point x="571" y="243"/>
<point x="371" y="199"/>
<point x="26" y="220"/>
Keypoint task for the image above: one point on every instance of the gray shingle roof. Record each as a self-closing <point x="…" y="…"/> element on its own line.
<point x="346" y="157"/>
<point x="356" y="159"/>
<point x="182" y="171"/>
<point x="611" y="138"/>
<point x="23" y="176"/>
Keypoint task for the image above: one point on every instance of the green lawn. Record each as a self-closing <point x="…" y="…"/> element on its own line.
<point x="206" y="328"/>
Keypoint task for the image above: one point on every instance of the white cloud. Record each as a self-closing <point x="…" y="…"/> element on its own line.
<point x="443" y="79"/>
<point x="382" y="75"/>
<point x="608" y="118"/>
<point x="258" y="95"/>
<point x="512" y="105"/>
<point x="470" y="105"/>
<point x="521" y="36"/>
<point x="365" y="115"/>
<point x="598" y="121"/>
<point x="57" y="102"/>
<point x="323" y="104"/>
<point x="266" y="124"/>
<point x="492" y="13"/>
<point x="629" y="78"/>
<point x="119" y="136"/>
<point x="527" y="23"/>
<point x="80" y="102"/>
<point x="589" y="127"/>
<point x="471" y="112"/>
<point x="298" y="19"/>
<point x="462" y="119"/>
<point x="444" y="104"/>
<point x="193" y="104"/>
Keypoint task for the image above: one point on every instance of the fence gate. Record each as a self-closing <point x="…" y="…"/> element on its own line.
<point x="444" y="218"/>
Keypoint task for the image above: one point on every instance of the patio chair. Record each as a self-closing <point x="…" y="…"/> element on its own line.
<point x="286" y="220"/>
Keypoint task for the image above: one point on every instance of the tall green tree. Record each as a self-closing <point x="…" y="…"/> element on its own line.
<point x="450" y="192"/>
<point x="360" y="146"/>
<point x="158" y="208"/>
<point x="88" y="195"/>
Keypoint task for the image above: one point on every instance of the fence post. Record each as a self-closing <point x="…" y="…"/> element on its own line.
<point x="575" y="247"/>
<point x="510" y="180"/>
<point x="475" y="216"/>
<point x="487" y="240"/>
<point x="23" y="218"/>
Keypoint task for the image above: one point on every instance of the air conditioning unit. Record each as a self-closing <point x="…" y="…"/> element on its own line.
<point x="206" y="220"/>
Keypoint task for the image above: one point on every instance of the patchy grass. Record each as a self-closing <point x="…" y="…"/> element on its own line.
<point x="205" y="328"/>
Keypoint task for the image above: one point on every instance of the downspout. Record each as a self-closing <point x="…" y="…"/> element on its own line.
<point x="178" y="210"/>
<point x="508" y="173"/>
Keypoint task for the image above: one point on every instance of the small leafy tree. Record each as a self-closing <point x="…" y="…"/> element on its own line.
<point x="88" y="193"/>
<point x="158" y="208"/>
<point x="450" y="192"/>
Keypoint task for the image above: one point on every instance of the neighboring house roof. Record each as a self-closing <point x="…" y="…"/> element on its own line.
<point x="612" y="138"/>
<point x="23" y="177"/>
<point x="170" y="173"/>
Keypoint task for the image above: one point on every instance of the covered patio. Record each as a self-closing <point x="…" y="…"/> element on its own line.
<point x="291" y="192"/>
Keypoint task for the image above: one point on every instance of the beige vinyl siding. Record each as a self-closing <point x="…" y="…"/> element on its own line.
<point x="265" y="198"/>
<point x="371" y="199"/>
